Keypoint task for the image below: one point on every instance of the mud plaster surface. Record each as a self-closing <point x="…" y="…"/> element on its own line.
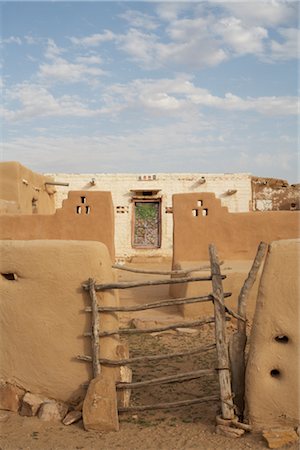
<point x="274" y="400"/>
<point x="174" y="429"/>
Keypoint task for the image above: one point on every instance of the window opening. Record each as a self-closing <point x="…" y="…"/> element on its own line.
<point x="195" y="212"/>
<point x="199" y="203"/>
<point x="83" y="199"/>
<point x="87" y="209"/>
<point x="78" y="209"/>
<point x="204" y="212"/>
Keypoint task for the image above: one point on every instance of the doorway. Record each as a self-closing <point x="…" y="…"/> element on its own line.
<point x="146" y="230"/>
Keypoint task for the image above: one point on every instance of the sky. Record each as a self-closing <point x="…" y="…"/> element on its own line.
<point x="150" y="87"/>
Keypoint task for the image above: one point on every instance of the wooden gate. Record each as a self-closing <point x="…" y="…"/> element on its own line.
<point x="219" y="319"/>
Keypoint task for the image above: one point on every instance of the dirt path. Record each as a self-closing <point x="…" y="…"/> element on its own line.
<point x="182" y="428"/>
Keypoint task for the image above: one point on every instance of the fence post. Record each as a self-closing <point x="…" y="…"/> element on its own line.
<point x="95" y="328"/>
<point x="220" y="332"/>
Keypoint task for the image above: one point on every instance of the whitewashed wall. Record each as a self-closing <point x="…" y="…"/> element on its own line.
<point x="121" y="184"/>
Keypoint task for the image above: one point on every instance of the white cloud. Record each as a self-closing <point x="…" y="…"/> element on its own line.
<point x="36" y="101"/>
<point x="139" y="20"/>
<point x="240" y="38"/>
<point x="261" y="12"/>
<point x="11" y="40"/>
<point x="60" y="69"/>
<point x="94" y="39"/>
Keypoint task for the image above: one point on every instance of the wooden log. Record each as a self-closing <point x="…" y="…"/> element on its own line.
<point x="160" y="304"/>
<point x="178" y="404"/>
<point x="220" y="332"/>
<point x="155" y="330"/>
<point x="134" y="284"/>
<point x="168" y="379"/>
<point x="95" y="328"/>
<point x="238" y="340"/>
<point x="137" y="359"/>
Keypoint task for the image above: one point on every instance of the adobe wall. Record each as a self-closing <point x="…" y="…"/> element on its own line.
<point x="83" y="216"/>
<point x="200" y="219"/>
<point x="273" y="374"/>
<point x="42" y="318"/>
<point x="234" y="191"/>
<point x="23" y="191"/>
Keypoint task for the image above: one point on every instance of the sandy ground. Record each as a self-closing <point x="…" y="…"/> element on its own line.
<point x="191" y="427"/>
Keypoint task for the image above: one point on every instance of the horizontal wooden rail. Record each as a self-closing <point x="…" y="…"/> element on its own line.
<point x="178" y="404"/>
<point x="160" y="304"/>
<point x="134" y="284"/>
<point x="125" y="362"/>
<point x="158" y="329"/>
<point x="161" y="272"/>
<point x="188" y="376"/>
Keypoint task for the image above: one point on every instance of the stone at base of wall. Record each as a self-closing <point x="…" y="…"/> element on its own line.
<point x="10" y="397"/>
<point x="100" y="411"/>
<point x="279" y="437"/>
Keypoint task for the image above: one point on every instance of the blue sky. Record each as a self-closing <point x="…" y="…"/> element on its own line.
<point x="151" y="87"/>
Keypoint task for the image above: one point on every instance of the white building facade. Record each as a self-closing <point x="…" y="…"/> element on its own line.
<point x="143" y="203"/>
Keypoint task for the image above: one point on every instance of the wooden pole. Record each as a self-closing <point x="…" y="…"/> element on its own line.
<point x="160" y="304"/>
<point x="133" y="284"/>
<point x="168" y="379"/>
<point x="196" y="323"/>
<point x="178" y="404"/>
<point x="220" y="332"/>
<point x="161" y="272"/>
<point x="238" y="340"/>
<point x="137" y="359"/>
<point x="95" y="328"/>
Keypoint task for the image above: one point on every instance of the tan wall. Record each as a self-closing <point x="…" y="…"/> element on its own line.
<point x="42" y="318"/>
<point x="66" y="223"/>
<point x="26" y="189"/>
<point x="274" y="400"/>
<point x="236" y="235"/>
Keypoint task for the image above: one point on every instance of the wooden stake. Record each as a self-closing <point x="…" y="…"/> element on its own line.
<point x="95" y="328"/>
<point x="220" y="331"/>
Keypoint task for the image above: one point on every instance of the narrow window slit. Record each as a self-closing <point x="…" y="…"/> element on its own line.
<point x="78" y="209"/>
<point x="83" y="199"/>
<point x="195" y="212"/>
<point x="10" y="276"/>
<point x="87" y="209"/>
<point x="282" y="339"/>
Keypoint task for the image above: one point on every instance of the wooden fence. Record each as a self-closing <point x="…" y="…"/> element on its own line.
<point x="219" y="319"/>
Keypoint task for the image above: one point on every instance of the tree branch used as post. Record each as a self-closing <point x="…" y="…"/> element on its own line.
<point x="95" y="328"/>
<point x="238" y="340"/>
<point x="220" y="331"/>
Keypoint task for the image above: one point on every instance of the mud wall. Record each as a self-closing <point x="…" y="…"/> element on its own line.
<point x="273" y="374"/>
<point x="270" y="194"/>
<point x="200" y="219"/>
<point x="83" y="216"/>
<point x="24" y="192"/>
<point x="42" y="318"/>
<point x="234" y="191"/>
